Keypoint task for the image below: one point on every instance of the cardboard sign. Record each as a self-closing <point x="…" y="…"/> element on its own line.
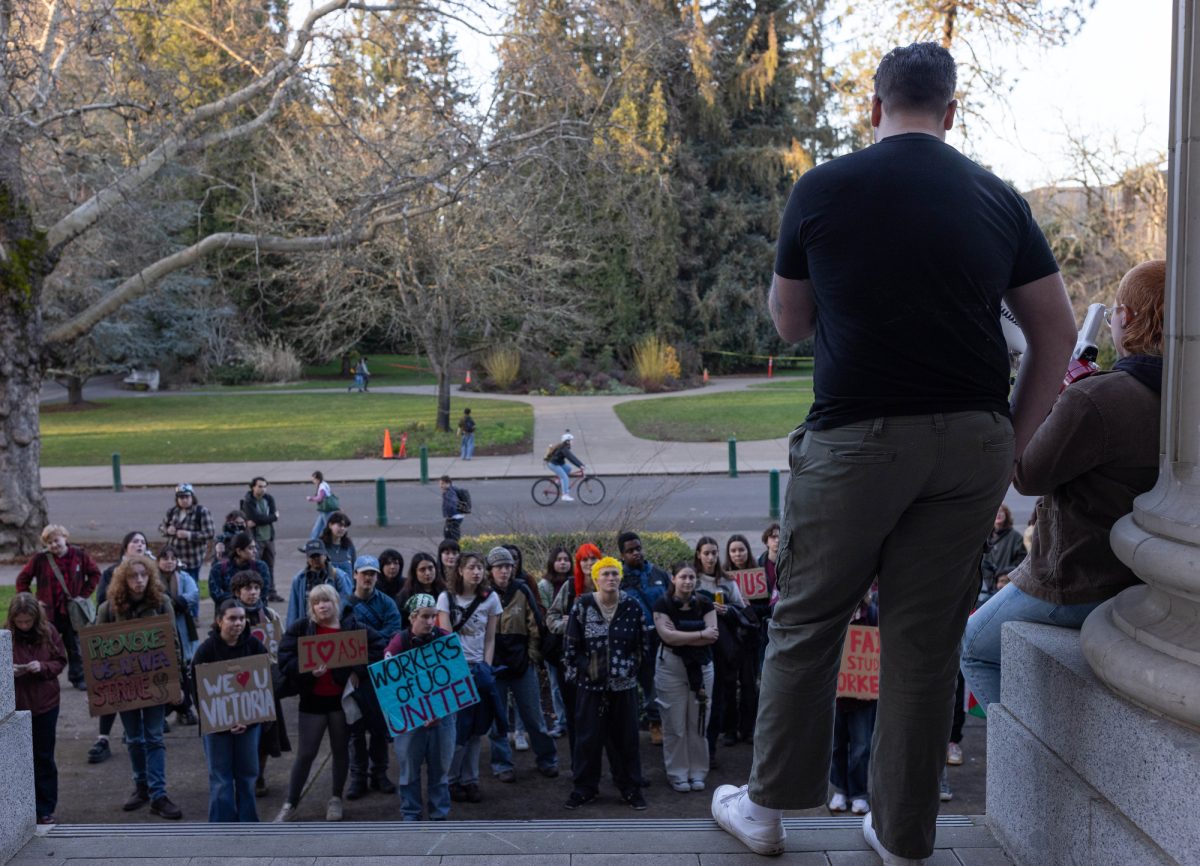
<point x="859" y="674"/>
<point x="751" y="582"/>
<point x="423" y="684"/>
<point x="131" y="664"/>
<point x="269" y="634"/>
<point x="340" y="649"/>
<point x="235" y="692"/>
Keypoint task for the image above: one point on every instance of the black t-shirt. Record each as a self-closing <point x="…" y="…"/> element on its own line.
<point x="909" y="246"/>
<point x="691" y="619"/>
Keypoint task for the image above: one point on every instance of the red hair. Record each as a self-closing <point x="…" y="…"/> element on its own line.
<point x="584" y="551"/>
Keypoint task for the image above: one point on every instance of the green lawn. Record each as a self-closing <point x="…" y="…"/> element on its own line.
<point x="287" y="426"/>
<point x="766" y="412"/>
<point x="792" y="383"/>
<point x="385" y="370"/>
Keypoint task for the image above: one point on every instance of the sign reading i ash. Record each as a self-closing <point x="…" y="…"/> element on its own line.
<point x="339" y="649"/>
<point x="235" y="692"/>
<point x="429" y="682"/>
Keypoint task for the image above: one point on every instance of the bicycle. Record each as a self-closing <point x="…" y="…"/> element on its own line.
<point x="588" y="489"/>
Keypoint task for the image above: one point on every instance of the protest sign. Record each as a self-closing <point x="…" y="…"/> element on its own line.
<point x="751" y="582"/>
<point x="430" y="682"/>
<point x="339" y="649"/>
<point x="859" y="674"/>
<point x="269" y="634"/>
<point x="235" y="692"/>
<point x="130" y="664"/>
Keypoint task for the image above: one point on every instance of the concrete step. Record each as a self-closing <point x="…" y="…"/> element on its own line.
<point x="833" y="841"/>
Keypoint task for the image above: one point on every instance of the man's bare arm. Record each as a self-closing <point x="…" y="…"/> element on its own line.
<point x="1044" y="313"/>
<point x="792" y="308"/>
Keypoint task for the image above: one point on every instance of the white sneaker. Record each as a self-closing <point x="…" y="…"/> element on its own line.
<point x="521" y="741"/>
<point x="761" y="837"/>
<point x="333" y="809"/>
<point x="888" y="858"/>
<point x="287" y="812"/>
<point x="954" y="755"/>
<point x="566" y="498"/>
<point x="860" y="806"/>
<point x="697" y="784"/>
<point x="837" y="803"/>
<point x="682" y="787"/>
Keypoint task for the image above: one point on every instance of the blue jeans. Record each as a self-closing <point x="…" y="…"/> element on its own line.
<point x="526" y="694"/>
<point x="564" y="476"/>
<point x="556" y="697"/>
<point x="468" y="446"/>
<point x="981" y="644"/>
<point x="232" y="770"/>
<point x="319" y="525"/>
<point x="852" y="731"/>
<point x="147" y="751"/>
<point x="434" y="747"/>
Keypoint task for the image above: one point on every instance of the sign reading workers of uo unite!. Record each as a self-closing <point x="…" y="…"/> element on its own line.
<point x="339" y="649"/>
<point x="235" y="692"/>
<point x="858" y="676"/>
<point x="751" y="582"/>
<point x="424" y="684"/>
<point x="130" y="664"/>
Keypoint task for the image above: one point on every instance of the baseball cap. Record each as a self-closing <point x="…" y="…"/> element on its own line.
<point x="567" y="437"/>
<point x="366" y="563"/>
<point x="185" y="488"/>
<point x="500" y="556"/>
<point x="313" y="546"/>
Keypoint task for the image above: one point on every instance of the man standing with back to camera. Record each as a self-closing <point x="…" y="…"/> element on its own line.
<point x="896" y="257"/>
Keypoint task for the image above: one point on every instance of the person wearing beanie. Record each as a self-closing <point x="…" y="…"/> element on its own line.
<point x="431" y="745"/>
<point x="603" y="650"/>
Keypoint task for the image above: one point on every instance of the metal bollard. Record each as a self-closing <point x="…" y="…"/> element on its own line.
<point x="117" y="472"/>
<point x="774" y="508"/>
<point x="424" y="465"/>
<point x="380" y="502"/>
<point x="733" y="457"/>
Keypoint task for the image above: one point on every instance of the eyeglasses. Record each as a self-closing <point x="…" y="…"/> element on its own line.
<point x="1108" y="313"/>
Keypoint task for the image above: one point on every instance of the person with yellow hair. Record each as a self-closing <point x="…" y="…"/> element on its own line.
<point x="602" y="652"/>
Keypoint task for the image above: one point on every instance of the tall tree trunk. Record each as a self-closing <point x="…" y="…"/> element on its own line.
<point x="74" y="386"/>
<point x="443" y="394"/>
<point x="346" y="372"/>
<point x="22" y="268"/>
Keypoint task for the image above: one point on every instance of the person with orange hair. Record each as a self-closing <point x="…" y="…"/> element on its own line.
<point x="557" y="614"/>
<point x="1095" y="452"/>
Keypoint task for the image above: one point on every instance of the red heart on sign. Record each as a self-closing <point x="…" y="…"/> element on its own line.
<point x="325" y="650"/>
<point x="242" y="678"/>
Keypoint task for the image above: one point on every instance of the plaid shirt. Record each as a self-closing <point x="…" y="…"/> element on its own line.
<point x="79" y="571"/>
<point x="199" y="523"/>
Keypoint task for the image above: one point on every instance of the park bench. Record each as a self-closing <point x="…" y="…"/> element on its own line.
<point x="148" y="378"/>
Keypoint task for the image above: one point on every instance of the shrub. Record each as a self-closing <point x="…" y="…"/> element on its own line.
<point x="661" y="548"/>
<point x="654" y="360"/>
<point x="233" y="374"/>
<point x="272" y="361"/>
<point x="503" y="365"/>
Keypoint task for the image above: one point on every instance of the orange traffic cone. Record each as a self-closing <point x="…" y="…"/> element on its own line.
<point x="706" y="375"/>
<point x="770" y="367"/>
<point x="468" y="382"/>
<point x="387" y="445"/>
<point x="403" y="445"/>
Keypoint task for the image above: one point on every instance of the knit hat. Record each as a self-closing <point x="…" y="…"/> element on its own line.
<point x="500" y="556"/>
<point x="606" y="562"/>
<point x="418" y="601"/>
<point x="584" y="551"/>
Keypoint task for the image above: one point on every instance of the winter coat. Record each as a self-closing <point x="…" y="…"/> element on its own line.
<point x="79" y="571"/>
<point x="38" y="693"/>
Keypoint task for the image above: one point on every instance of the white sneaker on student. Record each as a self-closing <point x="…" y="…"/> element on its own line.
<point x="888" y="858"/>
<point x="333" y="809"/>
<point x="761" y="837"/>
<point x="521" y="741"/>
<point x="837" y="803"/>
<point x="287" y="812"/>
<point x="860" y="806"/>
<point x="566" y="498"/>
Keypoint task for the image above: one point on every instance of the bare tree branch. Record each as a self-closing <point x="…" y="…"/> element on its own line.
<point x="84" y="109"/>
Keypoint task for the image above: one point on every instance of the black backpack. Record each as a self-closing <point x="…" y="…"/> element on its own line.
<point x="464" y="500"/>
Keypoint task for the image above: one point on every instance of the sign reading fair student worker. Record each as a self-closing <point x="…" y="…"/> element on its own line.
<point x="339" y="649"/>
<point x="429" y="682"/>
<point x="235" y="692"/>
<point x="859" y="674"/>
<point x="751" y="582"/>
<point x="130" y="664"/>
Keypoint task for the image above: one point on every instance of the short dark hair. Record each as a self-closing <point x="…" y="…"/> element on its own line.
<point x="446" y="478"/>
<point x="241" y="541"/>
<point x="255" y="480"/>
<point x="626" y="537"/>
<point x="245" y="578"/>
<point x="917" y="77"/>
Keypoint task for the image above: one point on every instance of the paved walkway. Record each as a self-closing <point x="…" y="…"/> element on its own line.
<point x="961" y="841"/>
<point x="601" y="441"/>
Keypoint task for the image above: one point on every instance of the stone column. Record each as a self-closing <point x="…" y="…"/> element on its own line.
<point x="1145" y="643"/>
<point x="17" y="819"/>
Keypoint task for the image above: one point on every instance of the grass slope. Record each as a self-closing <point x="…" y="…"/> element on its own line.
<point x="287" y="426"/>
<point x="769" y="412"/>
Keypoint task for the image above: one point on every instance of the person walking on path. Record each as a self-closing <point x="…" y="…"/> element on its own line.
<point x="232" y="755"/>
<point x="327" y="503"/>
<point x="38" y="657"/>
<point x="62" y="571"/>
<point x="897" y="258"/>
<point x="452" y="510"/>
<point x="261" y="516"/>
<point x="557" y="459"/>
<point x="188" y="527"/>
<point x="466" y="435"/>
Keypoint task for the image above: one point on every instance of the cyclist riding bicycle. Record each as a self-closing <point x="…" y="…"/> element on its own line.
<point x="557" y="457"/>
